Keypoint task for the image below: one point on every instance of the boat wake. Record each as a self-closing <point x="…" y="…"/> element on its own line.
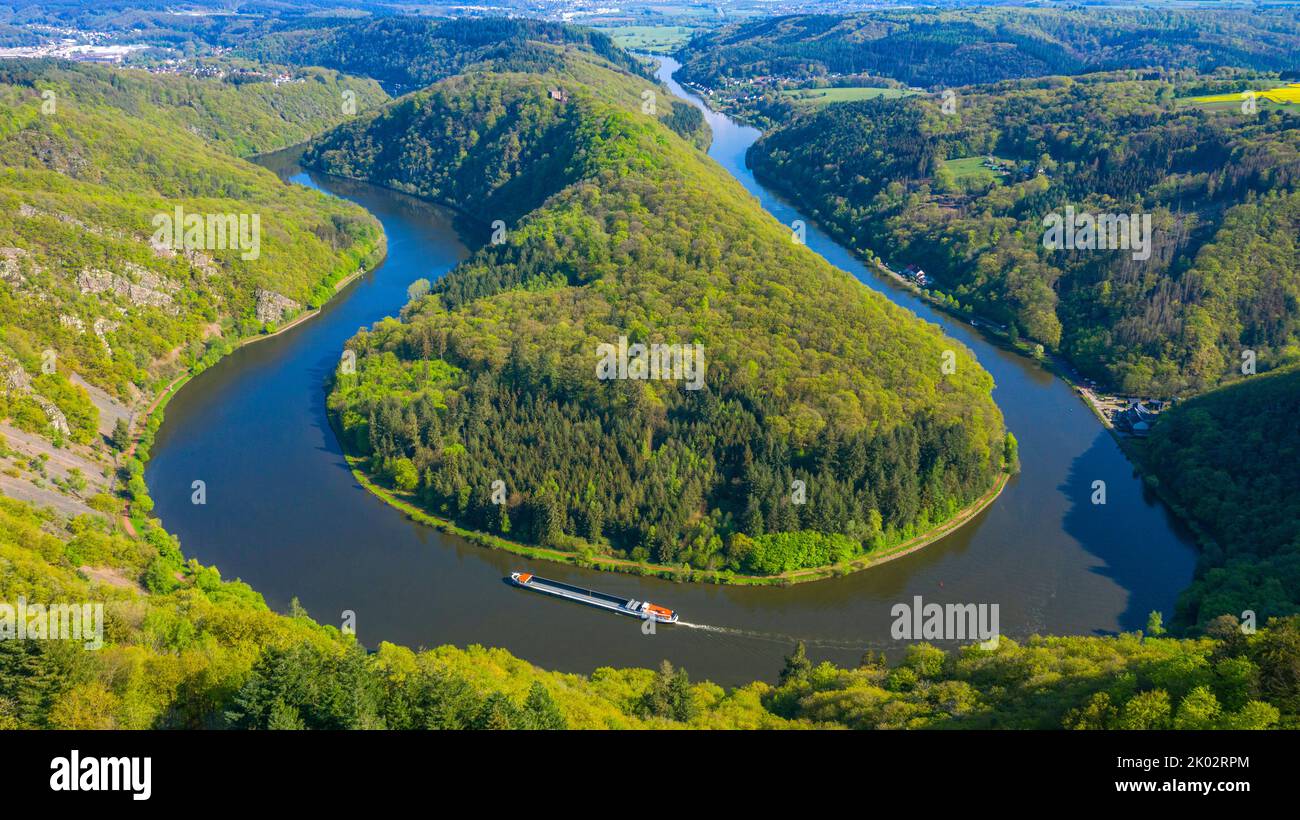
<point x="776" y="637"/>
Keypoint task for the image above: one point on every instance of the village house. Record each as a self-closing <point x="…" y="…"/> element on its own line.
<point x="1138" y="418"/>
<point x="916" y="275"/>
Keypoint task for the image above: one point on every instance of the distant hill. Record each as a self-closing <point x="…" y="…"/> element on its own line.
<point x="960" y="47"/>
<point x="405" y="53"/>
<point x="408" y="53"/>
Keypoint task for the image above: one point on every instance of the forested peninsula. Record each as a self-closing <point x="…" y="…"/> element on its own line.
<point x="831" y="425"/>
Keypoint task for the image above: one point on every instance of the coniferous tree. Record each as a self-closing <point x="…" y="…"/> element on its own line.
<point x="797" y="665"/>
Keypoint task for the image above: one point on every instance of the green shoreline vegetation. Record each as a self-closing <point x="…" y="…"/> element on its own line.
<point x="194" y="651"/>
<point x="91" y="156"/>
<point x="1222" y="269"/>
<point x="1228" y="463"/>
<point x="583" y="554"/>
<point x="137" y="451"/>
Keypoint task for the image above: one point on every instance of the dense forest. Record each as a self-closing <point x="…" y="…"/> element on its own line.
<point x="187" y="649"/>
<point x="407" y="53"/>
<point x="895" y="178"/>
<point x="1229" y="461"/>
<point x="617" y="228"/>
<point x="938" y="48"/>
<point x="98" y="314"/>
<point x="250" y="109"/>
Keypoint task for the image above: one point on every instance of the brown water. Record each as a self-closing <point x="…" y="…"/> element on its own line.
<point x="285" y="514"/>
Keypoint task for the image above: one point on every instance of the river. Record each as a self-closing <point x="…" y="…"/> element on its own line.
<point x="284" y="513"/>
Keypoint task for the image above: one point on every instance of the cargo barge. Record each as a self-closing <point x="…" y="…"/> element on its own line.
<point x="623" y="606"/>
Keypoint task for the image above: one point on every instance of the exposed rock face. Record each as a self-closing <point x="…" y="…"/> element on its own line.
<point x="13" y="376"/>
<point x="16" y="380"/>
<point x="202" y="263"/>
<point x="161" y="249"/>
<point x="28" y="212"/>
<point x="74" y="322"/>
<point x="102" y="327"/>
<point x="198" y="260"/>
<point x="58" y="421"/>
<point x="10" y="267"/>
<point x="140" y="286"/>
<point x="61" y="156"/>
<point x="271" y="306"/>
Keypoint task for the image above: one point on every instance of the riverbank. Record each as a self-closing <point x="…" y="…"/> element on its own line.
<point x="145" y="426"/>
<point x="589" y="559"/>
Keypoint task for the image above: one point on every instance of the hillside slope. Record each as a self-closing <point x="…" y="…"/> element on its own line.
<point x="250" y="109"/>
<point x="1230" y="462"/>
<point x="409" y="53"/>
<point x="1221" y="272"/>
<point x="100" y="304"/>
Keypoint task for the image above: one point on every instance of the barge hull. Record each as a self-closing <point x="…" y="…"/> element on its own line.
<point x="590" y="597"/>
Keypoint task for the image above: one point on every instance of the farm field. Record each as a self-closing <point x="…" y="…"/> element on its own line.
<point x="654" y="39"/>
<point x="1285" y="95"/>
<point x="973" y="168"/>
<point x="826" y="96"/>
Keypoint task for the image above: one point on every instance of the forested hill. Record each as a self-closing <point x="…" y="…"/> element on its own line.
<point x="964" y="196"/>
<point x="1230" y="462"/>
<point x="406" y="53"/>
<point x="252" y="109"/>
<point x="85" y="177"/>
<point x="615" y="227"/>
<point x="960" y="47"/>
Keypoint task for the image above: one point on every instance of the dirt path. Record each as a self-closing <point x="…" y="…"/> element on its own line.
<point x="135" y="441"/>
